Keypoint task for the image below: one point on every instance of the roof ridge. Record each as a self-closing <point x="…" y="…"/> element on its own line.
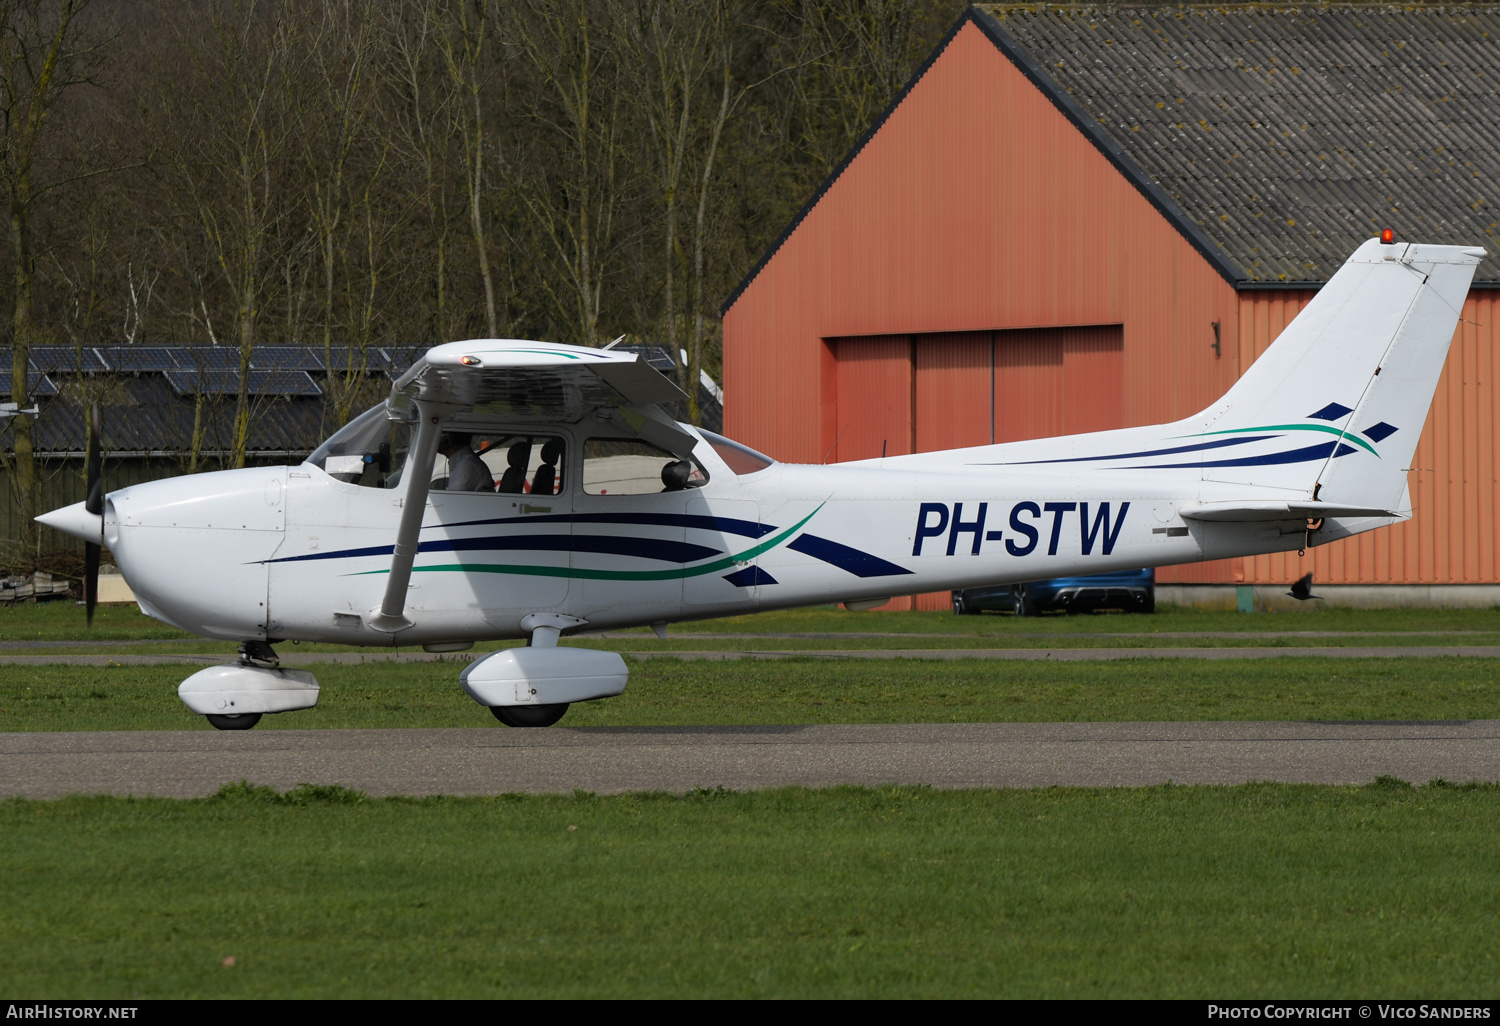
<point x="992" y="31"/>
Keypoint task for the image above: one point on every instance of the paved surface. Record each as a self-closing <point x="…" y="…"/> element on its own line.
<point x="609" y="760"/>
<point x="1030" y="654"/>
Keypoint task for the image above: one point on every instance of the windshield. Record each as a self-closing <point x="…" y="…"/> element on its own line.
<point x="369" y="450"/>
<point x="741" y="458"/>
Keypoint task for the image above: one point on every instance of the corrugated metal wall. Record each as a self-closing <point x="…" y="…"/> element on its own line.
<point x="1455" y="480"/>
<point x="1058" y="381"/>
<point x="977" y="208"/>
<point x="874" y="397"/>
<point x="954" y="390"/>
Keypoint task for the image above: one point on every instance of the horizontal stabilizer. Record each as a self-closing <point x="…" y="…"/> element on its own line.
<point x="1253" y="512"/>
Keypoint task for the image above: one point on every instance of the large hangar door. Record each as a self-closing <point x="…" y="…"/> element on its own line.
<point x="953" y="390"/>
<point x="874" y="397"/>
<point x="1058" y="381"/>
<point x="899" y="394"/>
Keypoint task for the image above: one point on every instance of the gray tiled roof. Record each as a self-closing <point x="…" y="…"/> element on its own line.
<point x="1285" y="134"/>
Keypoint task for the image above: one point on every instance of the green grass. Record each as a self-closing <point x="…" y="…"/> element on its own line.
<point x="62" y="620"/>
<point x="1254" y="891"/>
<point x="825" y="619"/>
<point x="670" y="691"/>
<point x="29" y="629"/>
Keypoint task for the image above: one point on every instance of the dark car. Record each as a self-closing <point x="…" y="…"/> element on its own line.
<point x="1131" y="590"/>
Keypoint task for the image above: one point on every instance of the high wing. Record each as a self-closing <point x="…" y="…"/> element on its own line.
<point x="498" y="380"/>
<point x="490" y="381"/>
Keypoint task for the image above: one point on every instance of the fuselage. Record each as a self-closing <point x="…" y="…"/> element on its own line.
<point x="294" y="553"/>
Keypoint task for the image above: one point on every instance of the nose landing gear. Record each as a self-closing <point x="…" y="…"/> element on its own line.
<point x="237" y="721"/>
<point x="234" y="696"/>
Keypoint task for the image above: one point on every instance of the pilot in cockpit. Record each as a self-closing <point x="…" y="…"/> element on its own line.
<point x="466" y="471"/>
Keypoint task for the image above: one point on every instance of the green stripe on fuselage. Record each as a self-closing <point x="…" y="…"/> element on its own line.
<point x="1327" y="429"/>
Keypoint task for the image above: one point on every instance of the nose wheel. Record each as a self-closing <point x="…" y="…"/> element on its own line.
<point x="529" y="715"/>
<point x="238" y="721"/>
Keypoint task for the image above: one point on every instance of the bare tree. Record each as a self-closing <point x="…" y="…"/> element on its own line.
<point x="463" y="32"/>
<point x="240" y="113"/>
<point x="666" y="64"/>
<point x="43" y="53"/>
<point x="342" y="58"/>
<point x="569" y="183"/>
<point x="415" y="121"/>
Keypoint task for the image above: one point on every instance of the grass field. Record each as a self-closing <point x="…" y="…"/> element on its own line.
<point x="1254" y="891"/>
<point x="25" y="626"/>
<point x="670" y="691"/>
<point x="1261" y="890"/>
<point x="665" y="691"/>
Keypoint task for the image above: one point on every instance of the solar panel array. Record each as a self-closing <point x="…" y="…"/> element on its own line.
<point x="227" y="382"/>
<point x="41" y="386"/>
<point x="286" y="358"/>
<point x="137" y="358"/>
<point x="275" y="371"/>
<point x="64" y="358"/>
<point x="189" y="370"/>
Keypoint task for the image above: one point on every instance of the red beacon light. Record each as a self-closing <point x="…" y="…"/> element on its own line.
<point x="473" y="361"/>
<point x="1387" y="236"/>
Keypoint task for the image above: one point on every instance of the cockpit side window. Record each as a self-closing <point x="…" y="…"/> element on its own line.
<point x="369" y="451"/>
<point x="629" y="466"/>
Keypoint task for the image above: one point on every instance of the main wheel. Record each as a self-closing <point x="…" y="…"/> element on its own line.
<point x="234" y="721"/>
<point x="529" y="715"/>
<point x="960" y="607"/>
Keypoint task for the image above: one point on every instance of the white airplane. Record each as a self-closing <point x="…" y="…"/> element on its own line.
<point x="512" y="489"/>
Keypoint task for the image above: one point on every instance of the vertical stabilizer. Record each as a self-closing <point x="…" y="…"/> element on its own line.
<point x="1333" y="409"/>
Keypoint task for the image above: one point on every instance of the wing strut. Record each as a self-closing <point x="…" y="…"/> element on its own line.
<point x="390" y="617"/>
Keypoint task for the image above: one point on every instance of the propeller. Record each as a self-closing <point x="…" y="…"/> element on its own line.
<point x="94" y="504"/>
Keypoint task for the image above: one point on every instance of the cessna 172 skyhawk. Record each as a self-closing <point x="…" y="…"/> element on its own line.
<point x="593" y="509"/>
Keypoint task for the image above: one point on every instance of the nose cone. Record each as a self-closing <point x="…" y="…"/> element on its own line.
<point x="75" y="520"/>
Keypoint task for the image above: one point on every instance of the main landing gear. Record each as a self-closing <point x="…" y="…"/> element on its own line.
<point x="529" y="715"/>
<point x="533" y="686"/>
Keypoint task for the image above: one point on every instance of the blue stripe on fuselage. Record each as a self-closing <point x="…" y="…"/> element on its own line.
<point x="666" y="550"/>
<point x="1219" y="444"/>
<point x="1311" y="452"/>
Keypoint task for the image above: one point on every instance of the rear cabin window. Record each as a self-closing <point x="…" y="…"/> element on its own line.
<point x="741" y="458"/>
<point x="628" y="466"/>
